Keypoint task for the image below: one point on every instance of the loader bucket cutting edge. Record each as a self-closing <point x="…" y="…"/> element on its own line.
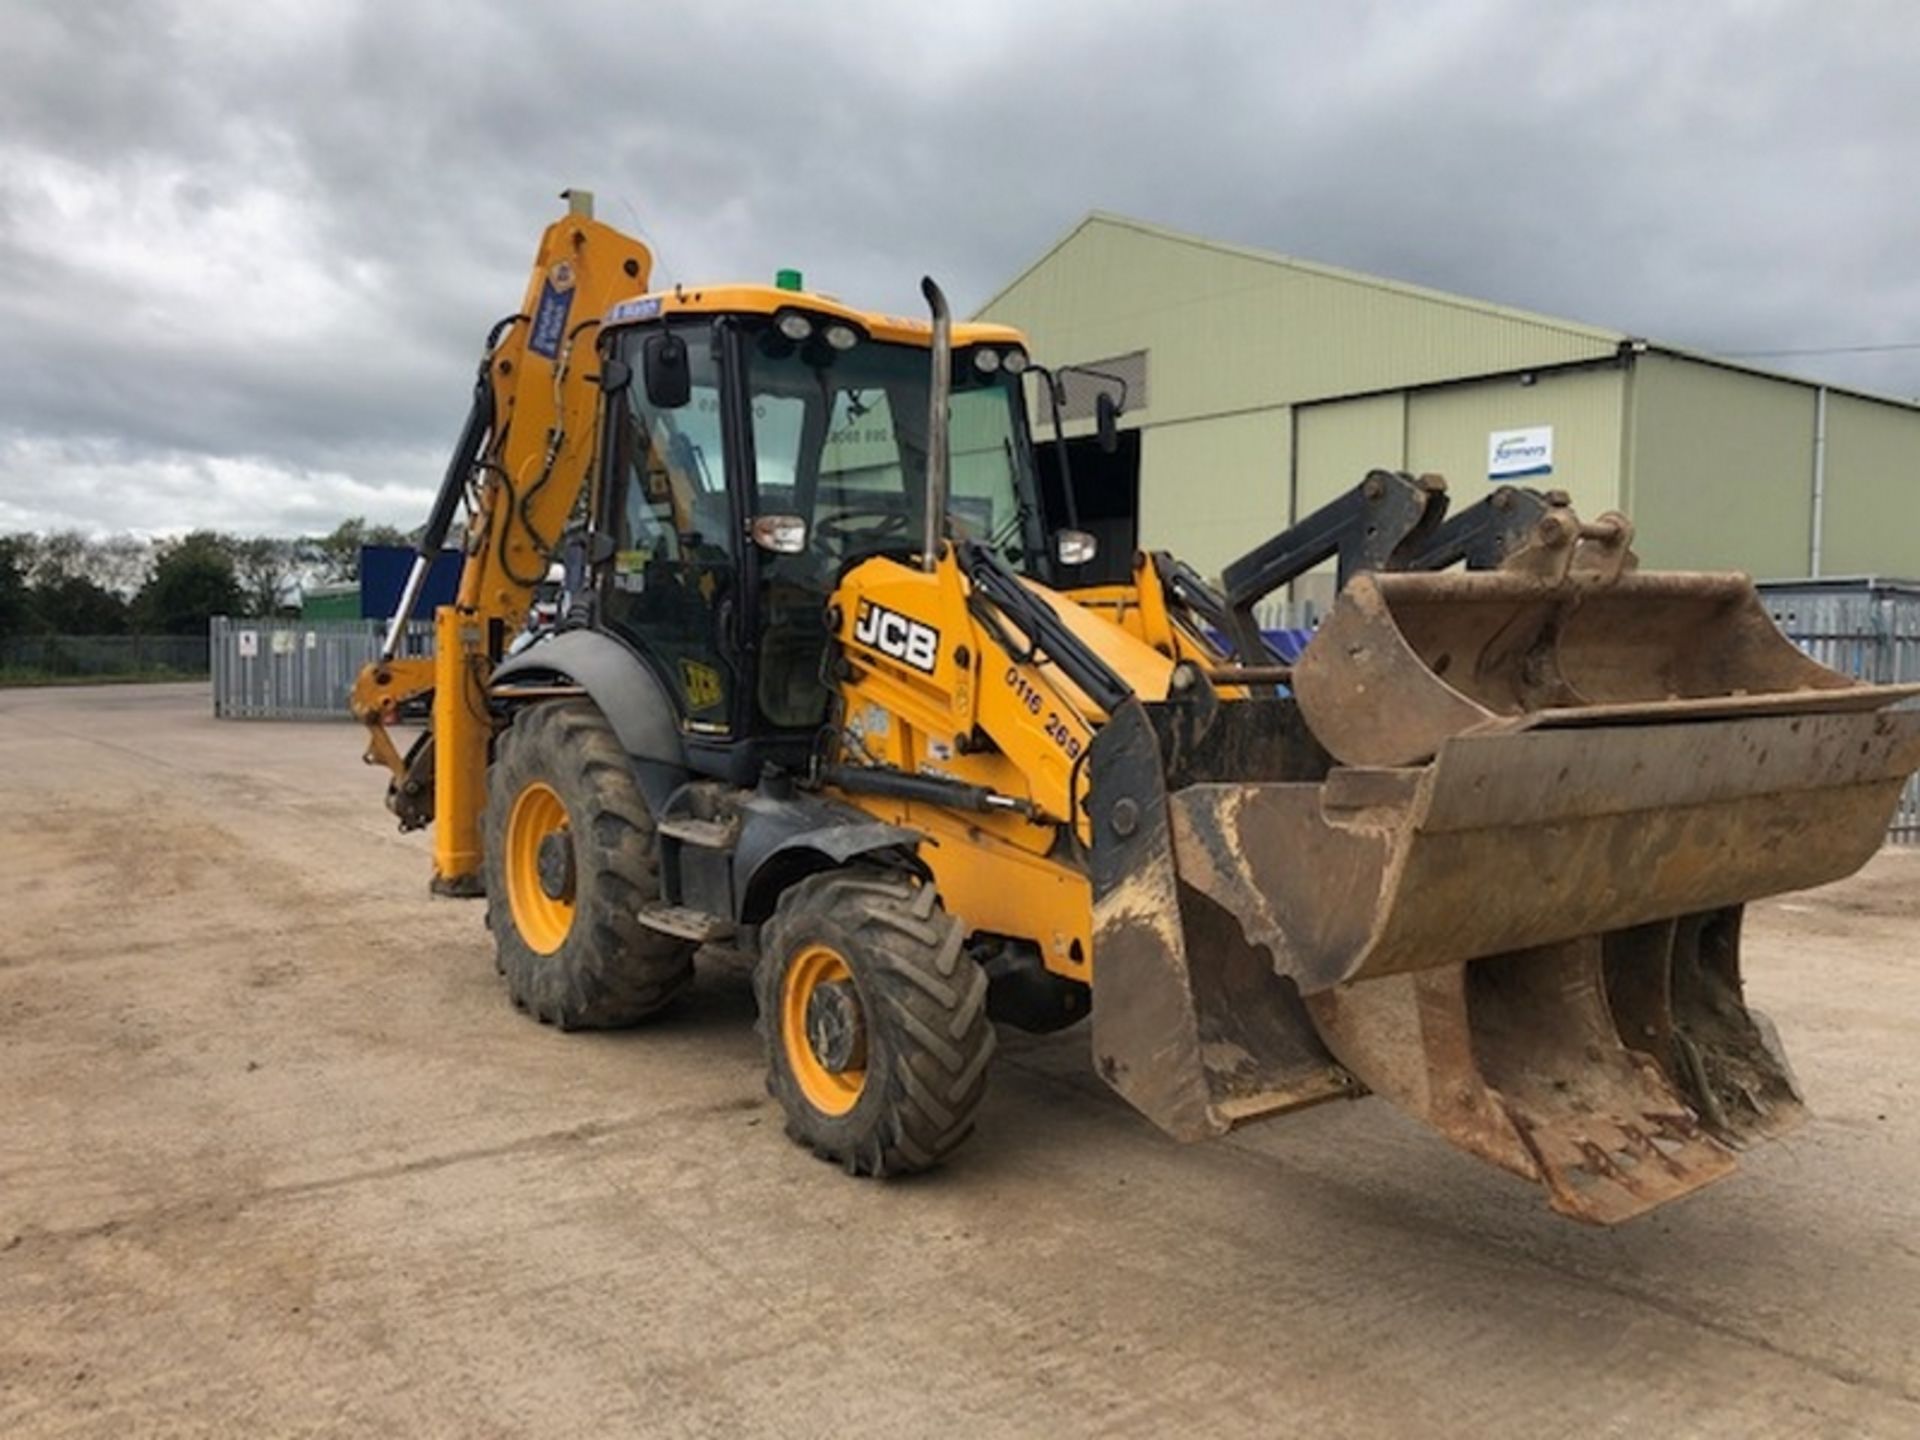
<point x="1526" y="936"/>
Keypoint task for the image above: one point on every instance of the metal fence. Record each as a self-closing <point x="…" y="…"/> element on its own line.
<point x="301" y="670"/>
<point x="1868" y="628"/>
<point x="28" y="658"/>
<point x="296" y="669"/>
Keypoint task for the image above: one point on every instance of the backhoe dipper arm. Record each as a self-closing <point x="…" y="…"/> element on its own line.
<point x="521" y="463"/>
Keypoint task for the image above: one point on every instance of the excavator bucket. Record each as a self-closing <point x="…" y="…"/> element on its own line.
<point x="1487" y="860"/>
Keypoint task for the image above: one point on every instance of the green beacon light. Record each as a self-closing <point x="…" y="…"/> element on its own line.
<point x="786" y="280"/>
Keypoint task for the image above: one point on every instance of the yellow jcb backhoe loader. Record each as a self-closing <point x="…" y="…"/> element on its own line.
<point x="827" y="693"/>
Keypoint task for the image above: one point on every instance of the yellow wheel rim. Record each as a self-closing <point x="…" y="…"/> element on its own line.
<point x="543" y="920"/>
<point x="832" y="1092"/>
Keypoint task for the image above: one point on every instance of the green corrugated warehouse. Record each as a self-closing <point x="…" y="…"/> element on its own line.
<point x="1261" y="386"/>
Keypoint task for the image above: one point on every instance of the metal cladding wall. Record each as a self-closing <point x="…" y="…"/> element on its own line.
<point x="1211" y="490"/>
<point x="1334" y="444"/>
<point x="1722" y="475"/>
<point x="1234" y="338"/>
<point x="1719" y="466"/>
<point x="1275" y="384"/>
<point x="1448" y="429"/>
<point x="1444" y="430"/>
<point x="1871" y="503"/>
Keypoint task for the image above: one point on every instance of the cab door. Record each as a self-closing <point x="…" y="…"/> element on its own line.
<point x="673" y="585"/>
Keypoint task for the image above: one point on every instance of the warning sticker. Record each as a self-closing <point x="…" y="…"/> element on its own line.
<point x="550" y="316"/>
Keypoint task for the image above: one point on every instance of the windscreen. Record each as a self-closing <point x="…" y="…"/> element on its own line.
<point x="840" y="438"/>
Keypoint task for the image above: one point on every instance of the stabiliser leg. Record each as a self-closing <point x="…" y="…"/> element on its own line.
<point x="461" y="731"/>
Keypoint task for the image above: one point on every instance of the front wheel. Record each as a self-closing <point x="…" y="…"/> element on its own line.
<point x="570" y="860"/>
<point x="874" y="1019"/>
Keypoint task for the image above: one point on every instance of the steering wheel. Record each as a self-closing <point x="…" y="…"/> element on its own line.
<point x="839" y="533"/>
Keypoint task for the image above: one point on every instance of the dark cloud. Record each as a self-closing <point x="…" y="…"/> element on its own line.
<point x="249" y="249"/>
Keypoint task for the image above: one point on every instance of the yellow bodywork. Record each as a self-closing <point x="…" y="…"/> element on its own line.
<point x="1140" y="609"/>
<point x="1487" y="858"/>
<point x="743" y="299"/>
<point x="984" y="717"/>
<point x="548" y="409"/>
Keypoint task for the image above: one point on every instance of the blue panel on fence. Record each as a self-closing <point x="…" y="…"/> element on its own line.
<point x="383" y="575"/>
<point x="1288" y="643"/>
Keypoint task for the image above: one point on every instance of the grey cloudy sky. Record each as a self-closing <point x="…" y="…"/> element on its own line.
<point x="249" y="249"/>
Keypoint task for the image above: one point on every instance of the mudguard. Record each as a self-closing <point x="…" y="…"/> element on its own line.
<point x="630" y="695"/>
<point x="785" y="837"/>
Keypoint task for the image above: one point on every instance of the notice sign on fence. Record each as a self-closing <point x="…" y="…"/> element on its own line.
<point x="247" y="642"/>
<point x="1514" y="453"/>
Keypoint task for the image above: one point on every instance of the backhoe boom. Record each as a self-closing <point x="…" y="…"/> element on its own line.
<point x="521" y="466"/>
<point x="831" y="698"/>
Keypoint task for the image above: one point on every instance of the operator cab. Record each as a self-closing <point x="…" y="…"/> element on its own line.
<point x="752" y="404"/>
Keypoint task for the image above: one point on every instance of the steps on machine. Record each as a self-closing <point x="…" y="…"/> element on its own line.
<point x="706" y="834"/>
<point x="686" y="924"/>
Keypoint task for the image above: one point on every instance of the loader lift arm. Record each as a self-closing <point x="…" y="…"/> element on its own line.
<point x="1496" y="844"/>
<point x="1371" y="527"/>
<point x="1485" y="858"/>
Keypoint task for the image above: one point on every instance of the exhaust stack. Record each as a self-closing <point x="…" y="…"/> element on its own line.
<point x="939" y="394"/>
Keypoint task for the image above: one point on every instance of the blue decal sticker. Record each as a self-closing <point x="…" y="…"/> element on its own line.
<point x="550" y="318"/>
<point x="644" y="309"/>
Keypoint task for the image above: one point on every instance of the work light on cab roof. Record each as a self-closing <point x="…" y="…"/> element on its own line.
<point x="829" y="688"/>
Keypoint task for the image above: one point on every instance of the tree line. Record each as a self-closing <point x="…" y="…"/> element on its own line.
<point x="67" y="583"/>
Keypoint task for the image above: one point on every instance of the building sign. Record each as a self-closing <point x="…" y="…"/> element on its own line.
<point x="1512" y="454"/>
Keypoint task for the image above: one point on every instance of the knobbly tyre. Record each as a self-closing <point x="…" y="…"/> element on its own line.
<point x="830" y="695"/>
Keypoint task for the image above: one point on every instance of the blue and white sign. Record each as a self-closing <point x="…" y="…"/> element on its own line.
<point x="647" y="307"/>
<point x="1512" y="454"/>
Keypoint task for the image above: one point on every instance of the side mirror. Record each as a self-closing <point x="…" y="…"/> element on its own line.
<point x="663" y="360"/>
<point x="1074" y="547"/>
<point x="780" y="534"/>
<point x="1106" y="421"/>
<point x="615" y="375"/>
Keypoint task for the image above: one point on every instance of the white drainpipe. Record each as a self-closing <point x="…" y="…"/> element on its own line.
<point x="1819" y="478"/>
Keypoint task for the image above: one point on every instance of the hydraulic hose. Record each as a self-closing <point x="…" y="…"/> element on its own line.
<point x="468" y="451"/>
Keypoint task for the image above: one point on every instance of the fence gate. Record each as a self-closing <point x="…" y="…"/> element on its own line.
<point x="297" y="669"/>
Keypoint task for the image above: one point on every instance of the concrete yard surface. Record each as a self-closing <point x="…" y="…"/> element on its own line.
<point x="277" y="1157"/>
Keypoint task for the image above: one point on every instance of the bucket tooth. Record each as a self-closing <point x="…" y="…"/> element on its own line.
<point x="1487" y="861"/>
<point x="1675" y="991"/>
<point x="1515" y="1058"/>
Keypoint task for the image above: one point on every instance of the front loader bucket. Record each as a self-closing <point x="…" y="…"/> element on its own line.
<point x="1405" y="661"/>
<point x="1192" y="1023"/>
<point x="1499" y="866"/>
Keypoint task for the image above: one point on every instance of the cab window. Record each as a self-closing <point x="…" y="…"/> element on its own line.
<point x="674" y="570"/>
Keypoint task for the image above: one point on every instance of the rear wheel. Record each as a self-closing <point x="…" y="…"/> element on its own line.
<point x="874" y="1019"/>
<point x="570" y="860"/>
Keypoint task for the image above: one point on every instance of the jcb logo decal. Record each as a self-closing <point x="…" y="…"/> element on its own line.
<point x="892" y="633"/>
<point x="702" y="685"/>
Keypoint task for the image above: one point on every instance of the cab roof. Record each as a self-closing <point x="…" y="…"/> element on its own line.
<point x="767" y="300"/>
